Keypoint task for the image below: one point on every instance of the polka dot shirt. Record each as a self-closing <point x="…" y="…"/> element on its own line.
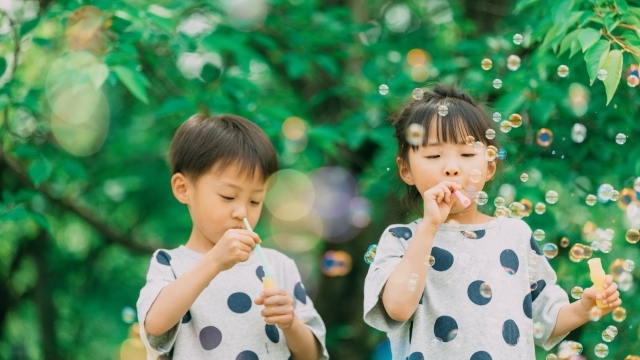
<point x="487" y="287"/>
<point x="223" y="322"/>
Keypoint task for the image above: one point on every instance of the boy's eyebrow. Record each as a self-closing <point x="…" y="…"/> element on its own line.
<point x="439" y="143"/>
<point x="223" y="183"/>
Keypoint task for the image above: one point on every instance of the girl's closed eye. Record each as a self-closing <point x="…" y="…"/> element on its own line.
<point x="469" y="155"/>
<point x="228" y="198"/>
<point x="256" y="203"/>
<point x="432" y="156"/>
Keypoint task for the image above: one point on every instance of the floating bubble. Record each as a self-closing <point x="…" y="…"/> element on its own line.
<point x="540" y="208"/>
<point x="383" y="89"/>
<point x="615" y="195"/>
<point x="591" y="200"/>
<point x="413" y="282"/>
<point x="436" y="342"/>
<point x="533" y="285"/>
<point x="128" y="315"/>
<point x="499" y="201"/>
<point x="527" y="207"/>
<point x="564" y="242"/>
<point x="625" y="281"/>
<point x="576" y="292"/>
<point x="415" y="134"/>
<point x="501" y="211"/>
<point x="595" y="314"/>
<point x="621" y="139"/>
<point x="633" y="81"/>
<point x="606" y="246"/>
<point x="497" y="117"/>
<point x="577" y="251"/>
<point x="628" y="265"/>
<point x="551" y="197"/>
<point x="552" y="357"/>
<point x="370" y="254"/>
<point x="576" y="347"/>
<point x="602" y="74"/>
<point x="515" y="120"/>
<point x="524" y="177"/>
<point x="563" y="71"/>
<point x="601" y="350"/>
<point x="513" y="62"/>
<point x="475" y="176"/>
<point x="497" y="83"/>
<point x="502" y="154"/>
<point x="432" y="260"/>
<point x="587" y="251"/>
<point x="505" y="126"/>
<point x="607" y="335"/>
<point x="544" y="137"/>
<point x="636" y="184"/>
<point x="486" y="64"/>
<point x="481" y="198"/>
<point x="485" y="290"/>
<point x="538" y="330"/>
<point x="517" y="39"/>
<point x="478" y="146"/>
<point x="578" y="133"/>
<point x="490" y="134"/>
<point x="550" y="250"/>
<point x="336" y="263"/>
<point x="613" y="330"/>
<point x="605" y="191"/>
<point x="418" y="94"/>
<point x="443" y="110"/>
<point x="616" y="269"/>
<point x="469" y="140"/>
<point x="539" y="234"/>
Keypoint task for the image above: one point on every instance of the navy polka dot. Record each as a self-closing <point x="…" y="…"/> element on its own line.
<point x="186" y="318"/>
<point x="210" y="337"/>
<point x="527" y="306"/>
<point x="260" y="272"/>
<point x="443" y="259"/>
<point x="479" y="294"/>
<point x="445" y="328"/>
<point x="410" y="331"/>
<point x="538" y="290"/>
<point x="299" y="293"/>
<point x="478" y="234"/>
<point x="534" y="245"/>
<point x="163" y="258"/>
<point x="239" y="302"/>
<point x="509" y="261"/>
<point x="272" y="333"/>
<point x="510" y="332"/>
<point x="247" y="355"/>
<point x="401" y="232"/>
<point x="416" y="356"/>
<point x="481" y="355"/>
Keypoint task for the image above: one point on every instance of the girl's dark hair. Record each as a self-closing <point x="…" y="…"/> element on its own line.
<point x="203" y="142"/>
<point x="465" y="117"/>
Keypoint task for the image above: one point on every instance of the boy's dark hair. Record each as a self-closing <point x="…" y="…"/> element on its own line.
<point x="465" y="117"/>
<point x="203" y="142"/>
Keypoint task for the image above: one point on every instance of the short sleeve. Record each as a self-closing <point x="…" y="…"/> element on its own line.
<point x="304" y="309"/>
<point x="548" y="297"/>
<point x="160" y="274"/>
<point x="391" y="248"/>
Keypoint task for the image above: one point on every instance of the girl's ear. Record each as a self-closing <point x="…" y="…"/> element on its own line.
<point x="491" y="169"/>
<point x="180" y="187"/>
<point x="404" y="171"/>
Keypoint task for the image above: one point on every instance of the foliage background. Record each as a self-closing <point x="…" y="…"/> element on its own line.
<point x="78" y="222"/>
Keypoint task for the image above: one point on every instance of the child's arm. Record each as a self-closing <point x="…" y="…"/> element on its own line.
<point x="175" y="299"/>
<point x="577" y="314"/>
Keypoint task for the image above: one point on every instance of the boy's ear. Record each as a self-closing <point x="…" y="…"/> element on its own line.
<point x="180" y="188"/>
<point x="404" y="171"/>
<point x="491" y="169"/>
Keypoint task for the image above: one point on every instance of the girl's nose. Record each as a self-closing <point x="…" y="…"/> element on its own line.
<point x="451" y="172"/>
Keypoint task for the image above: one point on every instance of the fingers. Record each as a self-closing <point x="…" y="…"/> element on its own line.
<point x="259" y="301"/>
<point x="283" y="321"/>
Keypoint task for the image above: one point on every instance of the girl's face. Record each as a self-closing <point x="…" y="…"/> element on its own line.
<point x="438" y="161"/>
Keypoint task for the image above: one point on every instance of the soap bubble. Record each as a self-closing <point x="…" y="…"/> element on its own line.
<point x="524" y="177"/>
<point x="605" y="191"/>
<point x="632" y="236"/>
<point x="564" y="242"/>
<point x="336" y="263"/>
<point x="415" y="134"/>
<point x="551" y="197"/>
<point x="601" y="350"/>
<point x="539" y="235"/>
<point x="552" y="357"/>
<point x="563" y="70"/>
<point x="486" y="64"/>
<point x="443" y="110"/>
<point x="490" y="154"/>
<point x="619" y="314"/>
<point x="606" y="246"/>
<point x="615" y="195"/>
<point x="490" y="134"/>
<point x="595" y="314"/>
<point x="544" y="137"/>
<point x="625" y="281"/>
<point x="517" y="39"/>
<point x="481" y="198"/>
<point x="578" y="133"/>
<point x="602" y="74"/>
<point x="502" y="154"/>
<point x="505" y="126"/>
<point x="613" y="330"/>
<point x="513" y="62"/>
<point x="497" y="117"/>
<point x="633" y="81"/>
<point x="478" y="146"/>
<point x="475" y="176"/>
<point x="607" y="335"/>
<point x="628" y="265"/>
<point x="497" y="83"/>
<point x="470" y="140"/>
<point x="540" y="208"/>
<point x="576" y="292"/>
<point x="550" y="250"/>
<point x="515" y="120"/>
<point x="383" y="89"/>
<point x="128" y="315"/>
<point x="418" y="94"/>
<point x="576" y="347"/>
<point x="591" y="200"/>
<point x="621" y="139"/>
<point x="499" y="201"/>
<point x="370" y="254"/>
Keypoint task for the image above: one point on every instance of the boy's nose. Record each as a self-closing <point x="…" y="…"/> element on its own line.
<point x="451" y="172"/>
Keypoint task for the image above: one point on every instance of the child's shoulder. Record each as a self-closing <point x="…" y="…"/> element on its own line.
<point x="401" y="231"/>
<point x="515" y="224"/>
<point x="276" y="256"/>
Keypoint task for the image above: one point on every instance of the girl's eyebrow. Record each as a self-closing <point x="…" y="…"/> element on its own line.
<point x="439" y="143"/>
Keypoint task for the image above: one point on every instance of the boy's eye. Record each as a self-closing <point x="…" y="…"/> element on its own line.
<point x="226" y="197"/>
<point x="432" y="156"/>
<point x="469" y="155"/>
<point x="255" y="202"/>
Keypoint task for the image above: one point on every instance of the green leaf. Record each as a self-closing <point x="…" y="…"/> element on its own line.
<point x="588" y="37"/>
<point x="40" y="171"/>
<point x="209" y="72"/>
<point x="610" y="22"/>
<point x="622" y="6"/>
<point x="575" y="48"/>
<point x="16" y="214"/>
<point x="613" y="65"/>
<point x="4" y="101"/>
<point x="568" y="41"/>
<point x="28" y="26"/>
<point x="523" y="4"/>
<point x="40" y="220"/>
<point x="134" y="81"/>
<point x="3" y="65"/>
<point x="593" y="58"/>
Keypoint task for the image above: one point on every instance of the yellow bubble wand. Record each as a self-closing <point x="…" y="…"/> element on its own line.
<point x="269" y="280"/>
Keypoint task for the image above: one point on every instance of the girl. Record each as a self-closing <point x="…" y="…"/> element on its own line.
<point x="456" y="283"/>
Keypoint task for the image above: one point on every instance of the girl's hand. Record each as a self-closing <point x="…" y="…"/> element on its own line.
<point x="610" y="296"/>
<point x="438" y="202"/>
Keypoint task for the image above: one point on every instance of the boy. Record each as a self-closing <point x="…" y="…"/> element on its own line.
<point x="196" y="303"/>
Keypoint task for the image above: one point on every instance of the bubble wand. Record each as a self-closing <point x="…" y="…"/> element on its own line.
<point x="269" y="281"/>
<point x="463" y="199"/>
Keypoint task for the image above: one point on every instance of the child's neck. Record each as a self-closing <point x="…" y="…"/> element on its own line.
<point x="470" y="215"/>
<point x="198" y="243"/>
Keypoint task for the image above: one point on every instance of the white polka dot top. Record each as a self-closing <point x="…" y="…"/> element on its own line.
<point x="488" y="285"/>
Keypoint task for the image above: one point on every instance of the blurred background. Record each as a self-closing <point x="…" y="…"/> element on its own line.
<point x="91" y="93"/>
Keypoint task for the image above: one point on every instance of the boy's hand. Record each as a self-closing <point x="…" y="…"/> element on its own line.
<point x="438" y="202"/>
<point x="233" y="247"/>
<point x="610" y="296"/>
<point x="278" y="307"/>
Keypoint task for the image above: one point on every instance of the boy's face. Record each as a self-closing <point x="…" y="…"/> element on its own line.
<point x="437" y="162"/>
<point x="219" y="201"/>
